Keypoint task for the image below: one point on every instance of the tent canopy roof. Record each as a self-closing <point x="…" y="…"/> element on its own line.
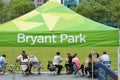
<point x="52" y="16"/>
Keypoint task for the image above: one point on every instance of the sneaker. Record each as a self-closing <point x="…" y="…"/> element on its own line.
<point x="82" y="75"/>
<point x="39" y="73"/>
<point x="5" y="73"/>
<point x="31" y="73"/>
<point x="58" y="74"/>
<point x="87" y="76"/>
<point x="74" y="72"/>
<point x="27" y="74"/>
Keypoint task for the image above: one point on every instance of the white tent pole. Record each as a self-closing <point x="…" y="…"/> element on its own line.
<point x="92" y="61"/>
<point x="118" y="63"/>
<point x="13" y="75"/>
<point x="119" y="55"/>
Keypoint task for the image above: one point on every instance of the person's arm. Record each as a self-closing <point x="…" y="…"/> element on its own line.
<point x="5" y="62"/>
<point x="36" y="59"/>
<point x="78" y="60"/>
<point x="87" y="61"/>
<point x="19" y="57"/>
<point x="101" y="58"/>
<point x="27" y="62"/>
<point x="61" y="59"/>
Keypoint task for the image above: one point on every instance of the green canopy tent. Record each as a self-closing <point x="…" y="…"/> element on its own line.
<point x="53" y="25"/>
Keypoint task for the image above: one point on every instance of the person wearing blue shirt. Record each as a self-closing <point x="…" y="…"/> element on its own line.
<point x="3" y="62"/>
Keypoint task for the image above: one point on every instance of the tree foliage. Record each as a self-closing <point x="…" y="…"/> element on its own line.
<point x="15" y="8"/>
<point x="2" y="5"/>
<point x="103" y="11"/>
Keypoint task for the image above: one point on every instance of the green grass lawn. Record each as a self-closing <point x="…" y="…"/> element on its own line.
<point x="47" y="53"/>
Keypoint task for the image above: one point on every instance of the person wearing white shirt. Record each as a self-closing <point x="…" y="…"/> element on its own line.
<point x="35" y="62"/>
<point x="25" y="64"/>
<point x="105" y="59"/>
<point x="20" y="58"/>
<point x="56" y="61"/>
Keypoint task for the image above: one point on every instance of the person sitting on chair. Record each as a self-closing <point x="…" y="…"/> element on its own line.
<point x="105" y="58"/>
<point x="20" y="58"/>
<point x="97" y="56"/>
<point x="76" y="63"/>
<point x="3" y="63"/>
<point x="25" y="64"/>
<point x="90" y="62"/>
<point x="69" y="65"/>
<point x="35" y="62"/>
<point x="56" y="61"/>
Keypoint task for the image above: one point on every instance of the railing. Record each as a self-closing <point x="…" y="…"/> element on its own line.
<point x="105" y="73"/>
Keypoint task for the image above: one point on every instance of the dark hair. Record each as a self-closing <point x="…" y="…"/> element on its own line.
<point x="68" y="54"/>
<point x="57" y="53"/>
<point x="75" y="54"/>
<point x="4" y="55"/>
<point x="97" y="55"/>
<point x="104" y="53"/>
<point x="25" y="56"/>
<point x="23" y="51"/>
<point x="90" y="55"/>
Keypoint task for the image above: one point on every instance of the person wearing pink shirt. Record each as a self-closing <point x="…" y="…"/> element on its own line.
<point x="76" y="63"/>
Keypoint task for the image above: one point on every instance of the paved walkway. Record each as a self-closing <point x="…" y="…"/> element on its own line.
<point x="43" y="76"/>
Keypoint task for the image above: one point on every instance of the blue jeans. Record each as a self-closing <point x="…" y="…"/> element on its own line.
<point x="2" y="64"/>
<point x="75" y="68"/>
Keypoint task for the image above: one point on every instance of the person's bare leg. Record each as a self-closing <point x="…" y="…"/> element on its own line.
<point x="39" y="71"/>
<point x="4" y="69"/>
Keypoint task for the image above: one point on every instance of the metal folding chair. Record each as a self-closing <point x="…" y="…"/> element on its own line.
<point x="51" y="67"/>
